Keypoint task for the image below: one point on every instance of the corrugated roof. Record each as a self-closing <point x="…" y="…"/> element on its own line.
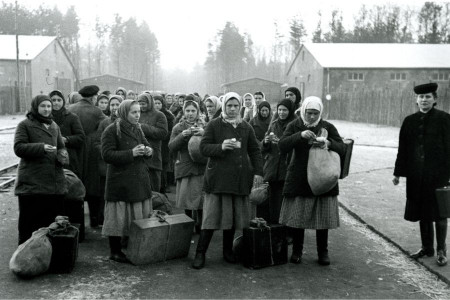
<point x="343" y="55"/>
<point x="28" y="44"/>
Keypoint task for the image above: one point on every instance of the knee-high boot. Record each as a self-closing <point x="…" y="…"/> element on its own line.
<point x="198" y="224"/>
<point x="116" y="252"/>
<point x="227" y="246"/>
<point x="298" y="236"/>
<point x="322" y="246"/>
<point x="202" y="246"/>
<point x="441" y="235"/>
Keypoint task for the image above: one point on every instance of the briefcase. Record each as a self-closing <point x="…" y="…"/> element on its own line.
<point x="65" y="249"/>
<point x="159" y="238"/>
<point x="264" y="246"/>
<point x="443" y="201"/>
<point x="346" y="159"/>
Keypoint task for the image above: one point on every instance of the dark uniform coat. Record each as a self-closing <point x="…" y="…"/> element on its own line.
<point x="90" y="118"/>
<point x="39" y="171"/>
<point x="424" y="159"/>
<point x="154" y="125"/>
<point x="230" y="171"/>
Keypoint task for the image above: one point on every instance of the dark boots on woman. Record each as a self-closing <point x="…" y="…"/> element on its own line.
<point x="228" y="255"/>
<point x="298" y="236"/>
<point x="116" y="252"/>
<point x="203" y="244"/>
<point x="322" y="246"/>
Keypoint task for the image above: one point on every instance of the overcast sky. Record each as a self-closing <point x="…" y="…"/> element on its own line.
<point x="184" y="27"/>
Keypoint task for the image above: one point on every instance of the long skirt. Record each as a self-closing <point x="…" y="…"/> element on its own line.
<point x="189" y="194"/>
<point x="225" y="211"/>
<point x="119" y="215"/>
<point x="310" y="212"/>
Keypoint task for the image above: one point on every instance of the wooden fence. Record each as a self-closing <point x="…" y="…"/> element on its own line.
<point x="383" y="107"/>
<point x="8" y="103"/>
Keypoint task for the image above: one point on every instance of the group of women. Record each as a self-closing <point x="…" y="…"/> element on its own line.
<point x="240" y="144"/>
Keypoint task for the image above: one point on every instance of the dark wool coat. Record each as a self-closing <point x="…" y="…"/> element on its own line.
<point x="260" y="126"/>
<point x="39" y="172"/>
<point x="184" y="165"/>
<point x="154" y="125"/>
<point x="90" y="118"/>
<point x="165" y="153"/>
<point x="72" y="130"/>
<point x="101" y="163"/>
<point x="127" y="177"/>
<point x="296" y="183"/>
<point x="216" y="115"/>
<point x="275" y="162"/>
<point x="424" y="159"/>
<point x="230" y="171"/>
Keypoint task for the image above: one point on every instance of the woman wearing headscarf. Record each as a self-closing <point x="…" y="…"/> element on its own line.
<point x="131" y="95"/>
<point x="160" y="105"/>
<point x="233" y="152"/>
<point x="188" y="174"/>
<point x="301" y="209"/>
<point x="111" y="111"/>
<point x="275" y="163"/>
<point x="154" y="125"/>
<point x="181" y="99"/>
<point x="261" y="121"/>
<point x="213" y="108"/>
<point x="121" y="92"/>
<point x="292" y="93"/>
<point x="71" y="130"/>
<point x="40" y="184"/>
<point x="74" y="97"/>
<point x="102" y="103"/>
<point x="248" y="109"/>
<point x="128" y="189"/>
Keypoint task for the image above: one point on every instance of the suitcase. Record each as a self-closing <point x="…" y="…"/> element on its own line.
<point x="74" y="209"/>
<point x="443" y="201"/>
<point x="159" y="238"/>
<point x="65" y="249"/>
<point x="264" y="246"/>
<point x="346" y="159"/>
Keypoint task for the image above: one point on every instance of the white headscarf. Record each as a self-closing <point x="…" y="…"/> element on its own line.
<point x="214" y="100"/>
<point x="253" y="107"/>
<point x="233" y="121"/>
<point x="311" y="102"/>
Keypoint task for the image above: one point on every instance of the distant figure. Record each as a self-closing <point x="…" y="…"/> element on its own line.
<point x="90" y="118"/>
<point x="102" y="102"/>
<point x="131" y="95"/>
<point x="213" y="108"/>
<point x="248" y="109"/>
<point x="121" y="92"/>
<point x="424" y="159"/>
<point x="74" y="97"/>
<point x="261" y="121"/>
<point x="107" y="93"/>
<point x="259" y="97"/>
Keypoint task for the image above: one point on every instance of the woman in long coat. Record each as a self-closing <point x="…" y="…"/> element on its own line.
<point x="40" y="184"/>
<point x="154" y="125"/>
<point x="71" y="130"/>
<point x="188" y="174"/>
<point x="128" y="189"/>
<point x="275" y="163"/>
<point x="424" y="159"/>
<point x="301" y="209"/>
<point x="261" y="121"/>
<point x="233" y="151"/>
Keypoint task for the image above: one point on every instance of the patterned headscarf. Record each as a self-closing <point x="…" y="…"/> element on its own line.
<point x="311" y="102"/>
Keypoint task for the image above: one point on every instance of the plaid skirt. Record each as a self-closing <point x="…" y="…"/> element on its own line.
<point x="225" y="211"/>
<point x="189" y="194"/>
<point x="310" y="212"/>
<point x="119" y="215"/>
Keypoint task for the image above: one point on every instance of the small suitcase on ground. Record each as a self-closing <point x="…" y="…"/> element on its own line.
<point x="443" y="201"/>
<point x="65" y="249"/>
<point x="74" y="209"/>
<point x="159" y="238"/>
<point x="346" y="159"/>
<point x="264" y="246"/>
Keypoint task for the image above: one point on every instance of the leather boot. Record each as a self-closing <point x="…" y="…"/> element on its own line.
<point x="427" y="237"/>
<point x="116" y="252"/>
<point x="198" y="224"/>
<point x="322" y="246"/>
<point x="202" y="246"/>
<point x="227" y="245"/>
<point x="441" y="235"/>
<point x="298" y="236"/>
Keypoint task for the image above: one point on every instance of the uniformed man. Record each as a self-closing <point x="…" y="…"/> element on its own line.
<point x="424" y="159"/>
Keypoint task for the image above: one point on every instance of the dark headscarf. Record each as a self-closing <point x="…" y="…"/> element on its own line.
<point x="124" y="125"/>
<point x="261" y="124"/>
<point x="34" y="111"/>
<point x="108" y="111"/>
<point x="298" y="95"/>
<point x="169" y="116"/>
<point x="149" y="99"/>
<point x="291" y="116"/>
<point x="58" y="115"/>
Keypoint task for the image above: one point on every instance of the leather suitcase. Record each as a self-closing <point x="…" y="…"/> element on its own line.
<point x="443" y="201"/>
<point x="346" y="159"/>
<point x="65" y="250"/>
<point x="74" y="209"/>
<point x="264" y="246"/>
<point x="158" y="239"/>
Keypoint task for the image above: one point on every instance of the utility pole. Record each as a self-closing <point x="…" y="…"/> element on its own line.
<point x="17" y="91"/>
